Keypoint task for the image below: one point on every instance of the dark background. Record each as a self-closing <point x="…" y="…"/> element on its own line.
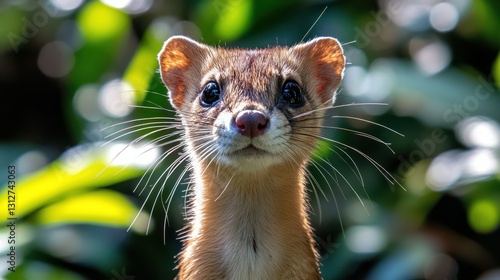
<point x="435" y="64"/>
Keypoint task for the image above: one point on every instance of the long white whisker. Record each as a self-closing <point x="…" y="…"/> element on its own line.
<point x="222" y="192"/>
<point x="355" y="132"/>
<point x="313" y="181"/>
<point x="357" y="173"/>
<point x="312" y="26"/>
<point x="348" y="183"/>
<point x="370" y="122"/>
<point x="148" y="125"/>
<point x="139" y="120"/>
<point x="379" y="167"/>
<point x="333" y="194"/>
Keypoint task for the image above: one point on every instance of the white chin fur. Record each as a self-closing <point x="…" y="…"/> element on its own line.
<point x="269" y="148"/>
<point x="250" y="163"/>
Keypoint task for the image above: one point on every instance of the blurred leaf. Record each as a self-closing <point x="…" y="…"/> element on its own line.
<point x="224" y="20"/>
<point x="142" y="68"/>
<point x="42" y="271"/>
<point x="234" y="18"/>
<point x="104" y="207"/>
<point x="104" y="30"/>
<point x="79" y="169"/>
<point x="496" y="69"/>
<point x="11" y="28"/>
<point x="486" y="15"/>
<point x="440" y="100"/>
<point x="323" y="150"/>
<point x="99" y="22"/>
<point x="101" y="40"/>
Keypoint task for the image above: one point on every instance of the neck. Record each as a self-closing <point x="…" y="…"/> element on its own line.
<point x="249" y="226"/>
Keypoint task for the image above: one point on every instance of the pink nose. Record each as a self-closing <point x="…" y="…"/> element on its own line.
<point x="251" y="123"/>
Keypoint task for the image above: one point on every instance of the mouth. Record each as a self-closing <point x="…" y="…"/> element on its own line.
<point x="251" y="159"/>
<point x="251" y="150"/>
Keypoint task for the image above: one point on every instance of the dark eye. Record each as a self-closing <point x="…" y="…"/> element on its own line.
<point x="210" y="94"/>
<point x="292" y="94"/>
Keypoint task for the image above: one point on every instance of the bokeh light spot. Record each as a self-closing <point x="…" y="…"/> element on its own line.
<point x="31" y="161"/>
<point x="453" y="167"/>
<point x="444" y="17"/>
<point x="412" y="15"/>
<point x="130" y="6"/>
<point x="479" y="132"/>
<point x="365" y="239"/>
<point x="432" y="58"/>
<point x="483" y="215"/>
<point x="116" y="98"/>
<point x="443" y="171"/>
<point x="66" y="5"/>
<point x="56" y="59"/>
<point x="86" y="102"/>
<point x="121" y="154"/>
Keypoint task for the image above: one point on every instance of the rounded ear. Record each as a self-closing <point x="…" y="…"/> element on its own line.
<point x="181" y="60"/>
<point x="325" y="60"/>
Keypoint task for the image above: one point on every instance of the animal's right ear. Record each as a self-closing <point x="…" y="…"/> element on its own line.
<point x="181" y="60"/>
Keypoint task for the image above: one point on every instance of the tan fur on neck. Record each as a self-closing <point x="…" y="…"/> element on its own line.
<point x="253" y="228"/>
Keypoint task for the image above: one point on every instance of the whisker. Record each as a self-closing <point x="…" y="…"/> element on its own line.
<point x="317" y="109"/>
<point x="334" y="196"/>
<point x="313" y="24"/>
<point x="169" y="201"/>
<point x="161" y="128"/>
<point x="370" y="122"/>
<point x="156" y="163"/>
<point x="348" y="183"/>
<point x="140" y="119"/>
<point x="357" y="173"/>
<point x="148" y="125"/>
<point x="358" y="104"/>
<point x="348" y="43"/>
<point x="228" y="182"/>
<point x="381" y="169"/>
<point x="312" y="179"/>
<point x="355" y="132"/>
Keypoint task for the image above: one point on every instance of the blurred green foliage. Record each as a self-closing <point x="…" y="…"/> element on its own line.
<point x="436" y="65"/>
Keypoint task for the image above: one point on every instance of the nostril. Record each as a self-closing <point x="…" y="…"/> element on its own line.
<point x="240" y="123"/>
<point x="251" y="123"/>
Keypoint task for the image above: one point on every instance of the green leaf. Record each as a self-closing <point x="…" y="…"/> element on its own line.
<point x="142" y="68"/>
<point x="496" y="69"/>
<point x="234" y="18"/>
<point x="104" y="207"/>
<point x="79" y="169"/>
<point x="224" y="20"/>
<point x="104" y="31"/>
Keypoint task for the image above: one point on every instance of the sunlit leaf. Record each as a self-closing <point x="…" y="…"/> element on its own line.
<point x="98" y="207"/>
<point x="99" y="22"/>
<point x="235" y="19"/>
<point x="143" y="66"/>
<point x="224" y="20"/>
<point x="81" y="168"/>
<point x="103" y="32"/>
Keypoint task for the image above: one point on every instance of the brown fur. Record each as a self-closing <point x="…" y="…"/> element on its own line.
<point x="249" y="220"/>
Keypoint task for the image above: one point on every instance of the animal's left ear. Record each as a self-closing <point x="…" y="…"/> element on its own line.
<point x="324" y="59"/>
